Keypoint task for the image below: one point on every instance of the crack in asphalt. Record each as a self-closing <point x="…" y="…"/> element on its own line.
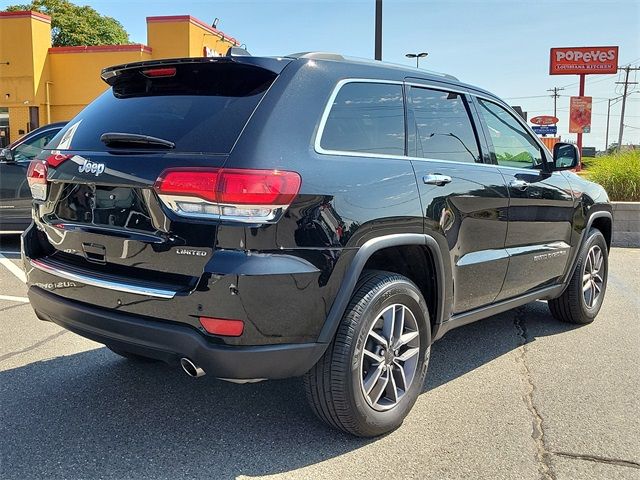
<point x="32" y="347"/>
<point x="595" y="458"/>
<point x="542" y="454"/>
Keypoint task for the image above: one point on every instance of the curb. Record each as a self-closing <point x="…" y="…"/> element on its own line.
<point x="626" y="224"/>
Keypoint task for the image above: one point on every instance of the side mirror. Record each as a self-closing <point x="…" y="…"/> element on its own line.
<point x="565" y="156"/>
<point x="6" y="155"/>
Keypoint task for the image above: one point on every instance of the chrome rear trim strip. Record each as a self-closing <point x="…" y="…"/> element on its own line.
<point x="100" y="283"/>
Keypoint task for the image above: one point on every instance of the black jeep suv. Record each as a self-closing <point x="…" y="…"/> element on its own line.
<point x="258" y="218"/>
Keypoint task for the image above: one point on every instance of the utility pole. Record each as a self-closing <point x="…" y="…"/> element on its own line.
<point x="626" y="84"/>
<point x="555" y="96"/>
<point x="378" y="41"/>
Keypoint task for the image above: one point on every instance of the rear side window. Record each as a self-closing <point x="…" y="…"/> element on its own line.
<point x="202" y="108"/>
<point x="366" y="118"/>
<point x="440" y="126"/>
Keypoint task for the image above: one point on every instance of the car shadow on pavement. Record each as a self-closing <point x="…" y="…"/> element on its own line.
<point x="95" y="415"/>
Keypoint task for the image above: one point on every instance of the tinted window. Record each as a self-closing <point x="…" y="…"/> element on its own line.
<point x="368" y="118"/>
<point x="513" y="145"/>
<point x="440" y="126"/>
<point x="32" y="147"/>
<point x="202" y="108"/>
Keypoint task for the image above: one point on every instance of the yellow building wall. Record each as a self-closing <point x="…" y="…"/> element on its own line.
<point x="25" y="38"/>
<point x="185" y="36"/>
<point x="168" y="39"/>
<point x="75" y="74"/>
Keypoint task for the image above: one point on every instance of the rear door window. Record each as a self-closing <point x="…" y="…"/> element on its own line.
<point x="366" y="118"/>
<point x="440" y="126"/>
<point x="202" y="108"/>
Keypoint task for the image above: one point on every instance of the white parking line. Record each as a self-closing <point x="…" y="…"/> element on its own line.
<point x="11" y="298"/>
<point x="13" y="268"/>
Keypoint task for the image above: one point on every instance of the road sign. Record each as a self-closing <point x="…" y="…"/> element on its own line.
<point x="545" y="129"/>
<point x="544" y="120"/>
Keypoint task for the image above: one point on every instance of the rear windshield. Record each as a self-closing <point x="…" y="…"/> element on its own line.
<point x="202" y="108"/>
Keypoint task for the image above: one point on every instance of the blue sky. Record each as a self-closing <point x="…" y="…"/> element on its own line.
<point x="502" y="46"/>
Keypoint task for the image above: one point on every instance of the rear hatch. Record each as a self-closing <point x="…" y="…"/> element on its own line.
<point x="102" y="215"/>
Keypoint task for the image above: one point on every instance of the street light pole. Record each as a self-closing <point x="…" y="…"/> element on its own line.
<point x="417" y="56"/>
<point x="378" y="30"/>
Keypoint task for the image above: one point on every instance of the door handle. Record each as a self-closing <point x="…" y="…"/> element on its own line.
<point x="519" y="185"/>
<point x="436" y="179"/>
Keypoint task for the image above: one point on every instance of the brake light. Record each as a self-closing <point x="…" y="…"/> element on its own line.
<point x="159" y="72"/>
<point x="246" y="195"/>
<point x="56" y="159"/>
<point x="37" y="179"/>
<point x="222" y="326"/>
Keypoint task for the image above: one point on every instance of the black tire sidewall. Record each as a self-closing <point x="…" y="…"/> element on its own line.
<point x="396" y="292"/>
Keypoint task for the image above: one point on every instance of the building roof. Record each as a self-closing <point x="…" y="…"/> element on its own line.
<point x="27" y="14"/>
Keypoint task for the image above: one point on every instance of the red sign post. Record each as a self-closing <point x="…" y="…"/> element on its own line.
<point x="583" y="61"/>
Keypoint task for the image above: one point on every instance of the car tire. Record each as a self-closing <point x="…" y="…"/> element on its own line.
<point x="131" y="356"/>
<point x="357" y="359"/>
<point x="583" y="297"/>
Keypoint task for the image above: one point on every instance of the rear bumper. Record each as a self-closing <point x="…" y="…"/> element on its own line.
<point x="169" y="342"/>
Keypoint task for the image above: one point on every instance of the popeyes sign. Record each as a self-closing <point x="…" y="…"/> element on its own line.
<point x="583" y="60"/>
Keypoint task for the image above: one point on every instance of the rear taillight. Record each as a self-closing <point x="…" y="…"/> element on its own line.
<point x="37" y="179"/>
<point x="253" y="196"/>
<point x="55" y="159"/>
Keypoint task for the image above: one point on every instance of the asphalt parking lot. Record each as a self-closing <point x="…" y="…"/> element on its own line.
<point x="517" y="395"/>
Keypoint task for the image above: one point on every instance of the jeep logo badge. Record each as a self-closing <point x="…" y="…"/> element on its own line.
<point x="91" y="167"/>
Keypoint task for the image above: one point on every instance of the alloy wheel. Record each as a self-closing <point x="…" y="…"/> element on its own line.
<point x="592" y="276"/>
<point x="390" y="357"/>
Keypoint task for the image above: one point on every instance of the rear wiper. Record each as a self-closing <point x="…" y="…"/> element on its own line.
<point x="133" y="139"/>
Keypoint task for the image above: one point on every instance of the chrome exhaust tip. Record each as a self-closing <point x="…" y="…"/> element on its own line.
<point x="191" y="368"/>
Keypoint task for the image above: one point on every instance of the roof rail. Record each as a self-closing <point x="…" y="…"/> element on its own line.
<point x="316" y="55"/>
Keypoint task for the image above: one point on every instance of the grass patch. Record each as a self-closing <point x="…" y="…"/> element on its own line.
<point x="619" y="174"/>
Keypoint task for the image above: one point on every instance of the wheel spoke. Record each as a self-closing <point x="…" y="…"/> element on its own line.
<point x="406" y="338"/>
<point x="392" y="388"/>
<point x="379" y="388"/>
<point x="401" y="375"/>
<point x="372" y="356"/>
<point x="596" y="287"/>
<point x="585" y="278"/>
<point x="378" y="338"/>
<point x="389" y="318"/>
<point x="398" y="326"/>
<point x="372" y="378"/>
<point x="598" y="262"/>
<point x="587" y="285"/>
<point x="411" y="352"/>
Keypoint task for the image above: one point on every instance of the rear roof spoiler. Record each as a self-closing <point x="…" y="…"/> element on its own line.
<point x="272" y="64"/>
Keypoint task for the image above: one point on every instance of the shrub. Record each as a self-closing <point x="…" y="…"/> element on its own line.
<point x="619" y="174"/>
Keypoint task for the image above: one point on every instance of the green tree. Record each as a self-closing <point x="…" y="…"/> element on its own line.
<point x="77" y="25"/>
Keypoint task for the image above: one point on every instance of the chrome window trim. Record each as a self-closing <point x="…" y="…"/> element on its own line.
<point x="106" y="284"/>
<point x="346" y="153"/>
